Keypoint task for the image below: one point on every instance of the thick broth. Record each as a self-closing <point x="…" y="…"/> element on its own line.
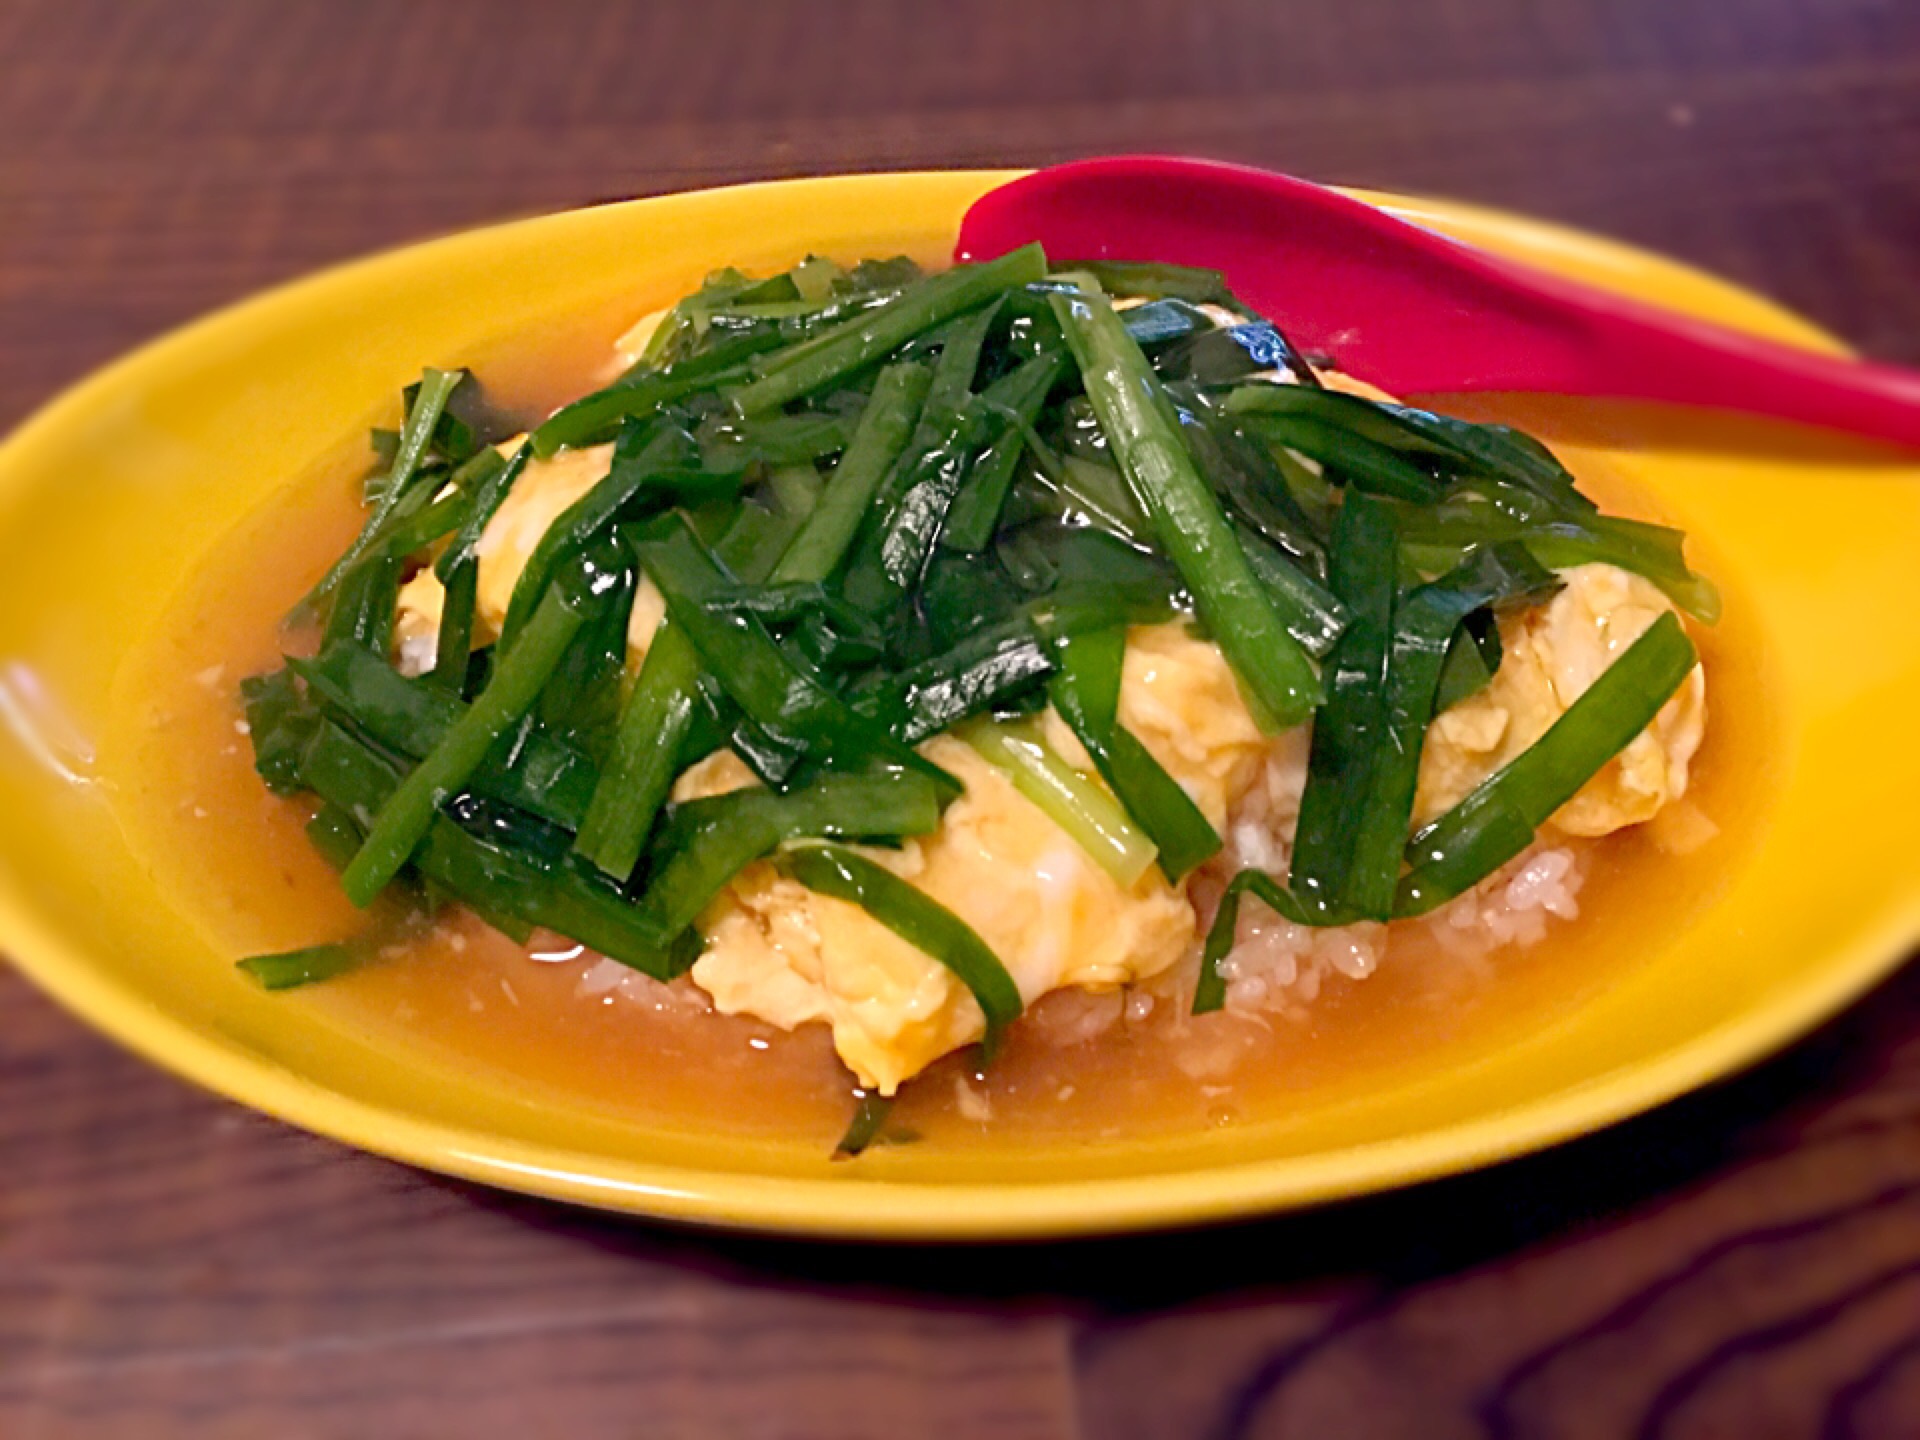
<point x="236" y="859"/>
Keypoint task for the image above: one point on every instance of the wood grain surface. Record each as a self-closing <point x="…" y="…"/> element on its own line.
<point x="1743" y="1263"/>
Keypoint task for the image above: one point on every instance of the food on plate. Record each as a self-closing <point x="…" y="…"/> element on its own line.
<point x="890" y="652"/>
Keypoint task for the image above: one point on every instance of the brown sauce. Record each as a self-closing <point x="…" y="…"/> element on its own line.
<point x="235" y="860"/>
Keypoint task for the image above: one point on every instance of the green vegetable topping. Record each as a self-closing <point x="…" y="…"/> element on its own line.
<point x="515" y="685"/>
<point x="1086" y="692"/>
<point x="292" y="968"/>
<point x="861" y="339"/>
<point x="426" y="406"/>
<point x="869" y="1119"/>
<point x="850" y="510"/>
<point x="1186" y="516"/>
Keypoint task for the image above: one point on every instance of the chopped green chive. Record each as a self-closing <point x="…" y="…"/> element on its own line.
<point x="1350" y="728"/>
<point x="510" y="693"/>
<point x="1093" y="818"/>
<point x="1086" y="692"/>
<point x="1276" y="673"/>
<point x="291" y="968"/>
<point x="1211" y="992"/>
<point x="885" y="426"/>
<point x="707" y="842"/>
<point x="423" y="417"/>
<point x="646" y="755"/>
<point x="869" y="1119"/>
<point x="865" y="338"/>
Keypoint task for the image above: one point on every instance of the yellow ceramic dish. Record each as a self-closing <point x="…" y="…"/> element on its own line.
<point x="112" y="496"/>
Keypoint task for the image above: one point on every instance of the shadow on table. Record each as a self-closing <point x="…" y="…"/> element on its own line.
<point x="1397" y="1239"/>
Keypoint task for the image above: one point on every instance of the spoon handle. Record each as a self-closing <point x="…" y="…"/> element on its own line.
<point x="1415" y="312"/>
<point x="1633" y="350"/>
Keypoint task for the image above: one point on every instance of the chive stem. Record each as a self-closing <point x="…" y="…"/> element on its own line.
<point x="453" y="646"/>
<point x="290" y="968"/>
<point x="1496" y="821"/>
<point x="864" y="338"/>
<point x="515" y="684"/>
<point x="1086" y="693"/>
<point x="885" y="426"/>
<point x="1273" y="669"/>
<point x="646" y="754"/>
<point x="1211" y="991"/>
<point x="416" y="433"/>
<point x="1093" y="818"/>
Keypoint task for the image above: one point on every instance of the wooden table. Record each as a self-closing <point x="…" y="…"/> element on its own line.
<point x="1743" y="1263"/>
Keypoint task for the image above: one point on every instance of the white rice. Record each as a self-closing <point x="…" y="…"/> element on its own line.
<point x="608" y="981"/>
<point x="1073" y="1017"/>
<point x="1277" y="968"/>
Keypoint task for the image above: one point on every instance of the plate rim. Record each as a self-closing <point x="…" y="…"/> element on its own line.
<point x="896" y="1210"/>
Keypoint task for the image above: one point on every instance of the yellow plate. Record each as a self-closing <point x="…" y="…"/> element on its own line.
<point x="111" y="496"/>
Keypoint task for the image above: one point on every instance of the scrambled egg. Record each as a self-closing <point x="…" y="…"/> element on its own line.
<point x="545" y="489"/>
<point x="1056" y="919"/>
<point x="1053" y="916"/>
<point x="1553" y="652"/>
<point x="786" y="955"/>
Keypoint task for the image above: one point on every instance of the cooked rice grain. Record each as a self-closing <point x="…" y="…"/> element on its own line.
<point x="1279" y="968"/>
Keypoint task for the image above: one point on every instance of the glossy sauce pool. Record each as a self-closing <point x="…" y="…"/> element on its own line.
<point x="236" y="860"/>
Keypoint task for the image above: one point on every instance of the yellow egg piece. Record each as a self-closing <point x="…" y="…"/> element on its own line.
<point x="1052" y="915"/>
<point x="1551" y="654"/>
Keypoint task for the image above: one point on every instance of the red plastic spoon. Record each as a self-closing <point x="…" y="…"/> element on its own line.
<point x="1412" y="311"/>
